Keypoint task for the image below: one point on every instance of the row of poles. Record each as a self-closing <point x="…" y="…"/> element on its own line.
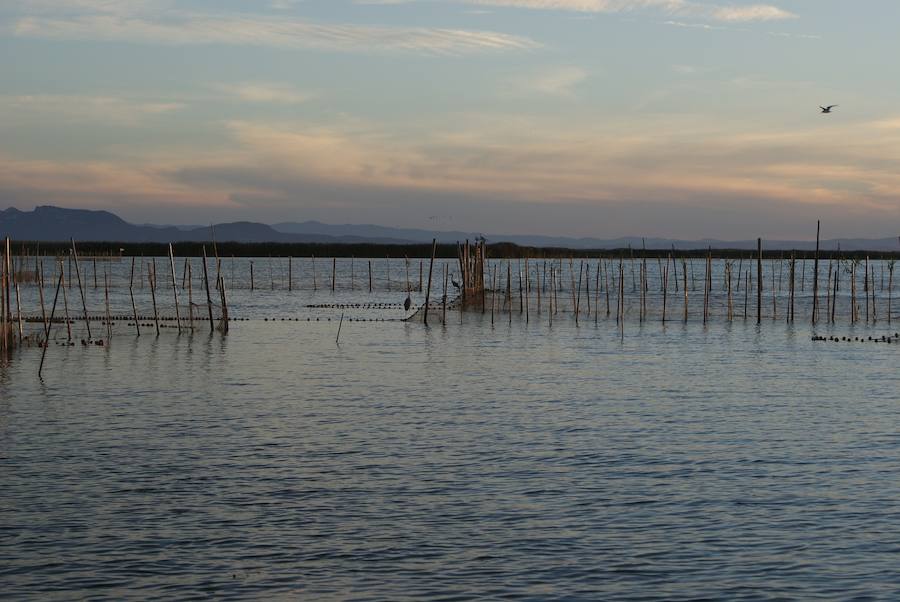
<point x="12" y="328"/>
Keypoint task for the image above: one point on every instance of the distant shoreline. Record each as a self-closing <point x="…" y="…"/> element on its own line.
<point x="417" y="250"/>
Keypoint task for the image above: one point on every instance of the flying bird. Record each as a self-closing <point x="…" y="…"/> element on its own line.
<point x="827" y="109"/>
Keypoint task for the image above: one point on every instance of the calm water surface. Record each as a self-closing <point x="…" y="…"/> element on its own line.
<point x="516" y="462"/>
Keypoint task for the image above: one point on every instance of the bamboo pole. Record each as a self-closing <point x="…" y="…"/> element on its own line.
<point x="527" y="292"/>
<point x="493" y="294"/>
<point x="430" y="269"/>
<point x="174" y="287"/>
<point x="333" y="273"/>
<point x="225" y="319"/>
<point x="191" y="295"/>
<point x="519" y="274"/>
<point x="866" y="286"/>
<point x="87" y="322"/>
<point x="874" y="302"/>
<point x="370" y="275"/>
<point x="18" y="307"/>
<point x="509" y="291"/>
<point x="152" y="276"/>
<point x="47" y="330"/>
<point x="290" y="274"/>
<point x="815" y="311"/>
<point x="606" y="278"/>
<point x="890" y="288"/>
<point x="315" y="284"/>
<point x="550" y="303"/>
<point x="4" y="329"/>
<point x="41" y="292"/>
<point x="252" y="278"/>
<point x="209" y="306"/>
<point x="578" y="295"/>
<point x="106" y="296"/>
<point x="444" y="296"/>
<point x="759" y="281"/>
<point x="137" y="324"/>
<point x="665" y="290"/>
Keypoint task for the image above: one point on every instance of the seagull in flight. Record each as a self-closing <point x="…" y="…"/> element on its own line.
<point x="827" y="109"/>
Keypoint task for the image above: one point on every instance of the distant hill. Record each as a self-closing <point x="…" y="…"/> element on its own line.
<point x="366" y="231"/>
<point x="47" y="223"/>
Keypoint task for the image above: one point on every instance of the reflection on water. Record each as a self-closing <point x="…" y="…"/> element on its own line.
<point x="679" y="462"/>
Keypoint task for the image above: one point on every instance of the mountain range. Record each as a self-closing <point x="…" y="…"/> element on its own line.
<point x="47" y="223"/>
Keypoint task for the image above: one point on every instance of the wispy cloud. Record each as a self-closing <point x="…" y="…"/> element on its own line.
<point x="560" y="82"/>
<point x="178" y="28"/>
<point x="675" y="8"/>
<point x="263" y="92"/>
<point x="110" y="110"/>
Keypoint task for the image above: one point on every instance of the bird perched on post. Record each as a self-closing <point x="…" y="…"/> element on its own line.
<point x="827" y="109"/>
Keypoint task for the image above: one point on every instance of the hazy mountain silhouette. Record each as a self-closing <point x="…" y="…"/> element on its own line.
<point x="47" y="223"/>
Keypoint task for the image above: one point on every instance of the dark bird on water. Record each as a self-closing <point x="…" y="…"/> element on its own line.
<point x="407" y="303"/>
<point x="827" y="109"/>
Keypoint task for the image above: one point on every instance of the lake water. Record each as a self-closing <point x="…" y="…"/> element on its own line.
<point x="516" y="461"/>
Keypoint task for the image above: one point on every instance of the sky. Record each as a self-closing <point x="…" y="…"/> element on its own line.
<point x="604" y="118"/>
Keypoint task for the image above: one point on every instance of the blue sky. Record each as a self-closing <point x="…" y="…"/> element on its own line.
<point x="576" y="117"/>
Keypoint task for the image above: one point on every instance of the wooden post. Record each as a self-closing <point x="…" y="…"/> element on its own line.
<point x="815" y="311"/>
<point x="759" y="281"/>
<point x="174" y="287"/>
<point x="890" y="287"/>
<point x="866" y="286"/>
<point x="225" y="318"/>
<point x="152" y="276"/>
<point x="87" y="321"/>
<point x="684" y="273"/>
<point x="665" y="289"/>
<point x="444" y="297"/>
<point x="212" y="326"/>
<point x="370" y="275"/>
<point x="493" y="294"/>
<point x="290" y="274"/>
<point x="509" y="290"/>
<point x="191" y="296"/>
<point x="430" y="268"/>
<point x="527" y="286"/>
<point x="793" y="287"/>
<point x="578" y="295"/>
<point x="106" y="295"/>
<point x="252" y="283"/>
<point x="18" y="306"/>
<point x="47" y="330"/>
<point x="137" y="324"/>
<point x="333" y="273"/>
<point x="65" y="302"/>
<point x="40" y="283"/>
<point x="315" y="285"/>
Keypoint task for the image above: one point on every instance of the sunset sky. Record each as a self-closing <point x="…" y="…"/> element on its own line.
<point x="675" y="118"/>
